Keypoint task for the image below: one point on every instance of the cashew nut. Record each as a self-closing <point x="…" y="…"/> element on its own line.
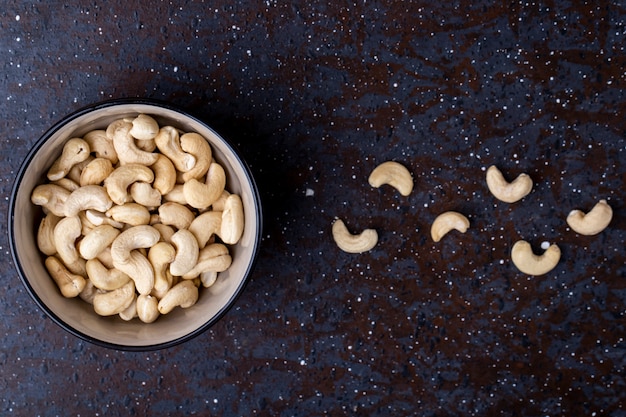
<point x="208" y="278"/>
<point x="122" y="177"/>
<point x="183" y="294"/>
<point x="96" y="171"/>
<point x="89" y="197"/>
<point x="45" y="234"/>
<point x="128" y="260"/>
<point x="129" y="312"/>
<point x="97" y="219"/>
<point x="161" y="255"/>
<point x="592" y="223"/>
<point x="168" y="142"/>
<point x="67" y="230"/>
<point x="100" y="145"/>
<point x="69" y="284"/>
<point x="126" y="148"/>
<point x="66" y="183"/>
<point x="75" y="150"/>
<point x="164" y="174"/>
<point x="116" y="301"/>
<point x="51" y="197"/>
<point x="214" y="257"/>
<point x="103" y="277"/>
<point x="201" y="195"/>
<point x="98" y="239"/>
<point x="144" y="127"/>
<point x="529" y="263"/>
<point x="176" y="195"/>
<point x="130" y="213"/>
<point x="350" y="243"/>
<point x="147" y="308"/>
<point x="445" y="222"/>
<point x="175" y="214"/>
<point x="205" y="226"/>
<point x="232" y="225"/>
<point x="187" y="252"/>
<point x="196" y="145"/>
<point x="394" y="174"/>
<point x="509" y="192"/>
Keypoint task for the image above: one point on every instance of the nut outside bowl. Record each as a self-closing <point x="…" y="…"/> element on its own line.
<point x="75" y="315"/>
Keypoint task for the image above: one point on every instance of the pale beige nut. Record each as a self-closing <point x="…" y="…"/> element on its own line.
<point x="45" y="234"/>
<point x="66" y="232"/>
<point x="143" y="193"/>
<point x="104" y="278"/>
<point x="187" y="252"/>
<point x="127" y="150"/>
<point x="176" y="195"/>
<point x="196" y="145"/>
<point x="118" y="183"/>
<point x="74" y="151"/>
<point x="232" y="225"/>
<point x="161" y="255"/>
<point x="96" y="171"/>
<point x="184" y="295"/>
<point x="129" y="213"/>
<point x="69" y="284"/>
<point x="214" y="257"/>
<point x="358" y="243"/>
<point x="508" y="192"/>
<point x="164" y="174"/>
<point x="114" y="302"/>
<point x="66" y="183"/>
<point x="147" y="308"/>
<point x="89" y="292"/>
<point x="129" y="312"/>
<point x="51" y="197"/>
<point x="100" y="145"/>
<point x="144" y="127"/>
<point x="394" y="174"/>
<point x="168" y="142"/>
<point x="200" y="194"/>
<point x="593" y="222"/>
<point x="530" y="263"/>
<point x="205" y="226"/>
<point x="446" y="222"/>
<point x="97" y="240"/>
<point x="132" y="262"/>
<point x="175" y="214"/>
<point x="89" y="197"/>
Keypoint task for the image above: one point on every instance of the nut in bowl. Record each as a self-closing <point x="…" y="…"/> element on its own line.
<point x="160" y="224"/>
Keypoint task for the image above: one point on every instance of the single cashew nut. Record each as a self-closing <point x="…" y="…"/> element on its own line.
<point x="97" y="218"/>
<point x="164" y="174"/>
<point x="89" y="197"/>
<point x="529" y="263"/>
<point x="147" y="308"/>
<point x="77" y="169"/>
<point x="127" y="150"/>
<point x="175" y="214"/>
<point x="445" y="222"/>
<point x="201" y="195"/>
<point x="103" y="277"/>
<point x="350" y="243"/>
<point x="176" y="195"/>
<point x="128" y="260"/>
<point x="69" y="284"/>
<point x="393" y="174"/>
<point x="74" y="151"/>
<point x="67" y="230"/>
<point x="100" y="145"/>
<point x="196" y="145"/>
<point x="205" y="226"/>
<point x="129" y="213"/>
<point x="45" y="234"/>
<point x="161" y="255"/>
<point x="96" y="171"/>
<point x="232" y="224"/>
<point x="168" y="142"/>
<point x="183" y="294"/>
<point x="122" y="177"/>
<point x="97" y="240"/>
<point x="187" y="252"/>
<point x="509" y="192"/>
<point x="214" y="257"/>
<point x="208" y="278"/>
<point x="144" y="127"/>
<point x="51" y="197"/>
<point x="66" y="183"/>
<point x="143" y="193"/>
<point x="592" y="223"/>
<point x="116" y="301"/>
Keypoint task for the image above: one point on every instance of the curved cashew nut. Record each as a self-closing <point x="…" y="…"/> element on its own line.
<point x="100" y="145"/>
<point x="168" y="142"/>
<point x="183" y="294"/>
<point x="67" y="230"/>
<point x="232" y="225"/>
<point x="164" y="174"/>
<point x="127" y="150"/>
<point x="144" y="127"/>
<point x="74" y="151"/>
<point x="97" y="240"/>
<point x="129" y="312"/>
<point x="66" y="183"/>
<point x="592" y="223"/>
<point x="130" y="213"/>
<point x="122" y="177"/>
<point x="166" y="231"/>
<point x="445" y="222"/>
<point x="505" y="191"/>
<point x="196" y="145"/>
<point x="116" y="301"/>
<point x="147" y="308"/>
<point x="45" y="234"/>
<point x="394" y="174"/>
<point x="205" y="226"/>
<point x="69" y="284"/>
<point x="97" y="218"/>
<point x="175" y="214"/>
<point x="128" y="260"/>
<point x="89" y="197"/>
<point x="214" y="257"/>
<point x="103" y="277"/>
<point x="96" y="171"/>
<point x="176" y="195"/>
<point x="527" y="262"/>
<point x="143" y="193"/>
<point x="350" y="243"/>
<point x="208" y="278"/>
<point x="51" y="197"/>
<point x="201" y="195"/>
<point x="161" y="255"/>
<point x="187" y="252"/>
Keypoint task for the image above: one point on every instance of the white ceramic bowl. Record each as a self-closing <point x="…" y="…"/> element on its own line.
<point x="77" y="316"/>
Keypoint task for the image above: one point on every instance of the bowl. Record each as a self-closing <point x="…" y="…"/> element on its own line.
<point x="77" y="316"/>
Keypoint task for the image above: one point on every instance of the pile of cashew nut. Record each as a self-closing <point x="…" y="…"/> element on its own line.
<point x="398" y="176"/>
<point x="136" y="218"/>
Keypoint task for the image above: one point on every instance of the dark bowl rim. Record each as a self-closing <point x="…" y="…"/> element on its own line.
<point x="12" y="236"/>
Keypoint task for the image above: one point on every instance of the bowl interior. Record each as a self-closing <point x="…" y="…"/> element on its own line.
<point x="76" y="315"/>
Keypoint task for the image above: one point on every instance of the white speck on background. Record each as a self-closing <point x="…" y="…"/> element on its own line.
<point x="17" y="17"/>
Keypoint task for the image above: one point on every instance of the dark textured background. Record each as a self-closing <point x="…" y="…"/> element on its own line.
<point x="317" y="95"/>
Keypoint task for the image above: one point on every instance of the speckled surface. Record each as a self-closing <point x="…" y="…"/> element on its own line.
<point x="317" y="95"/>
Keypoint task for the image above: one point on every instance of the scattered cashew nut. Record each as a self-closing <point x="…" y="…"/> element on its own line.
<point x="529" y="263"/>
<point x="445" y="222"/>
<point x="592" y="223"/>
<point x="509" y="192"/>
<point x="350" y="243"/>
<point x="394" y="174"/>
